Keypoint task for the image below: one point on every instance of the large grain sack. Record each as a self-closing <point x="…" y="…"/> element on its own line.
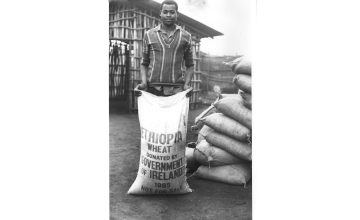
<point x="243" y="82"/>
<point x="234" y="108"/>
<point x="209" y="155"/>
<point x="191" y="163"/>
<point x="200" y="137"/>
<point x="204" y="130"/>
<point x="246" y="100"/>
<point x="235" y="174"/>
<point x="241" y="65"/>
<point x="242" y="150"/>
<point x="222" y="96"/>
<point x="228" y="126"/>
<point x="198" y="123"/>
<point x="233" y="63"/>
<point x="162" y="167"/>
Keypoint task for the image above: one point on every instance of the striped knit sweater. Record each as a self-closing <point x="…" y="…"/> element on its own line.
<point x="164" y="59"/>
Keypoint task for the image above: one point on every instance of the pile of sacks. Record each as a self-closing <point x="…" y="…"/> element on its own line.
<point x="223" y="151"/>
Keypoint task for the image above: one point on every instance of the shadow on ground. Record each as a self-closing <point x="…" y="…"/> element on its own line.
<point x="210" y="199"/>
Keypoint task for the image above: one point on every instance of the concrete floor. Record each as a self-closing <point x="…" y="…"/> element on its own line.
<point x="210" y="199"/>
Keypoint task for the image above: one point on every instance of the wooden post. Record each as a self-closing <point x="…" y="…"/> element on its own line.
<point x="135" y="54"/>
<point x="116" y="16"/>
<point x="127" y="78"/>
<point x="208" y="79"/>
<point x="196" y="81"/>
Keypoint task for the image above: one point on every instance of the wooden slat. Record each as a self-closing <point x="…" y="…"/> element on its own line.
<point x="122" y="72"/>
<point x="122" y="11"/>
<point x="121" y="19"/>
<point x="151" y="17"/>
<point x="122" y="22"/>
<point x="135" y="35"/>
<point x="124" y="39"/>
<point x="110" y="18"/>
<point x="126" y="22"/>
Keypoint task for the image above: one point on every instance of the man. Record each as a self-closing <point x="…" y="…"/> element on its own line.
<point x="164" y="49"/>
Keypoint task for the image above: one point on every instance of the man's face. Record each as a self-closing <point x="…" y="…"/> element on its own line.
<point x="168" y="14"/>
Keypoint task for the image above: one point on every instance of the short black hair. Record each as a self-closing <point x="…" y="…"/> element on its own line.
<point x="169" y="2"/>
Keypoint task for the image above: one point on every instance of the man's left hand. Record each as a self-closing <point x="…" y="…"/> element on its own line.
<point x="186" y="87"/>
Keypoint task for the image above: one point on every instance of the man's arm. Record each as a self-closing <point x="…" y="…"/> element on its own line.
<point x="188" y="76"/>
<point x="143" y="72"/>
<point x="144" y="67"/>
<point x="143" y="85"/>
<point x="145" y="61"/>
<point x="189" y="63"/>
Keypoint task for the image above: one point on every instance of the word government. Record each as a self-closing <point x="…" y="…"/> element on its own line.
<point x="157" y="138"/>
<point x="162" y="166"/>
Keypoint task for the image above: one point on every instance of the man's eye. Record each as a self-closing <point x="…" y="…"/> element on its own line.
<point x="171" y="12"/>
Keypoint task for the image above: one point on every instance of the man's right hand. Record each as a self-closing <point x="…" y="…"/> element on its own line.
<point x="139" y="87"/>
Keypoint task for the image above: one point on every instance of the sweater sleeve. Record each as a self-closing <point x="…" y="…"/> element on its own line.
<point x="188" y="53"/>
<point x="146" y="51"/>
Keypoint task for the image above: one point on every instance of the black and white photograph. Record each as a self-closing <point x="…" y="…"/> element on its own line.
<point x="180" y="109"/>
<point x="185" y="109"/>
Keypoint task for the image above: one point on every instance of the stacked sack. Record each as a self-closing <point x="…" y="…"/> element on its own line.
<point x="224" y="147"/>
<point x="242" y="68"/>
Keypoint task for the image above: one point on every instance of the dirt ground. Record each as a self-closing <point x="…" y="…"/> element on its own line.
<point x="210" y="199"/>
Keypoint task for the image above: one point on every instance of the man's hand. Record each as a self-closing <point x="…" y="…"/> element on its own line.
<point x="139" y="87"/>
<point x="186" y="87"/>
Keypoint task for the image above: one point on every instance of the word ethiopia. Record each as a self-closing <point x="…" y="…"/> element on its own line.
<point x="157" y="138"/>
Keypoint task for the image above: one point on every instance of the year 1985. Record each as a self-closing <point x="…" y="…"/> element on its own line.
<point x="162" y="185"/>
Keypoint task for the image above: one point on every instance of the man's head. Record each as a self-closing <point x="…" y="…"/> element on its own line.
<point x="168" y="2"/>
<point x="169" y="12"/>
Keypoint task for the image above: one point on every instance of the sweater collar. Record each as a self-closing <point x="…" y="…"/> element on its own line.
<point x="158" y="28"/>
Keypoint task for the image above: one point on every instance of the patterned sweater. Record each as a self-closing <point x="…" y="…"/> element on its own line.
<point x="164" y="59"/>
